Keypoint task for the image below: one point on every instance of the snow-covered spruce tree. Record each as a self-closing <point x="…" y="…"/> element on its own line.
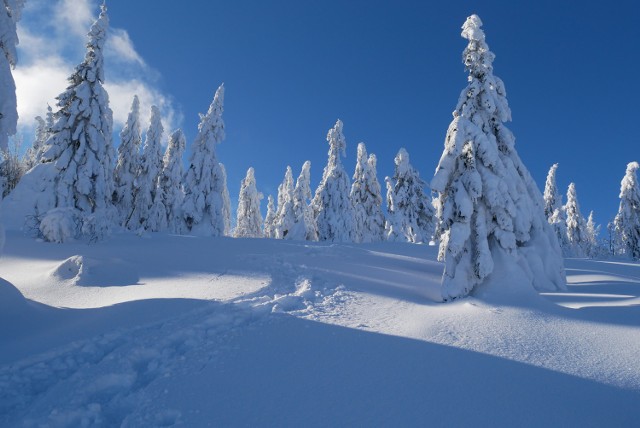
<point x="9" y="15"/>
<point x="269" y="220"/>
<point x="128" y="163"/>
<point x="490" y="212"/>
<point x="576" y="225"/>
<point x="367" y="199"/>
<point x="77" y="165"/>
<point x="409" y="205"/>
<point x="166" y="210"/>
<point x="249" y="220"/>
<point x="626" y="224"/>
<point x="284" y="215"/>
<point x="593" y="247"/>
<point x="331" y="205"/>
<point x="554" y="211"/>
<point x="205" y="211"/>
<point x="146" y="181"/>
<point x="304" y="226"/>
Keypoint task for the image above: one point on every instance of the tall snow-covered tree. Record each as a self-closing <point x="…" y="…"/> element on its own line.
<point x="304" y="226"/>
<point x="285" y="217"/>
<point x="269" y="220"/>
<point x="576" y="225"/>
<point x="367" y="199"/>
<point x="593" y="247"/>
<point x="332" y="208"/>
<point x="77" y="167"/>
<point x="626" y="225"/>
<point x="146" y="181"/>
<point x="249" y="220"/>
<point x="9" y="15"/>
<point x="128" y="163"/>
<point x="554" y="210"/>
<point x="206" y="211"/>
<point x="490" y="212"/>
<point x="167" y="205"/>
<point x="409" y="206"/>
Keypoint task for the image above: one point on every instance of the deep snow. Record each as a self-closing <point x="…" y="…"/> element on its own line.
<point x="175" y="330"/>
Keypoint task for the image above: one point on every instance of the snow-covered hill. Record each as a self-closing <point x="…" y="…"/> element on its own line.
<point x="176" y="330"/>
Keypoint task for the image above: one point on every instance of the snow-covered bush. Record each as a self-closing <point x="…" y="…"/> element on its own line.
<point x="249" y="220"/>
<point x="331" y="205"/>
<point x="409" y="207"/>
<point x="489" y="208"/>
<point x="60" y="225"/>
<point x="206" y="209"/>
<point x="366" y="199"/>
<point x="626" y="225"/>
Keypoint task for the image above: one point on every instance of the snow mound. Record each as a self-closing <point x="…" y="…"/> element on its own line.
<point x="11" y="301"/>
<point x="81" y="270"/>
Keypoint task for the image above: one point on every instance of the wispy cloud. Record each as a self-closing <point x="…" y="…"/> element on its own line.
<point x="52" y="42"/>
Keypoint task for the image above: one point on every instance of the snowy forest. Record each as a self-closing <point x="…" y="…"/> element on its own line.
<point x="137" y="295"/>
<point x="73" y="184"/>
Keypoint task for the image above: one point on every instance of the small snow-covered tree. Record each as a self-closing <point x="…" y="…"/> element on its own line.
<point x="146" y="181"/>
<point x="33" y="154"/>
<point x="409" y="205"/>
<point x="249" y="220"/>
<point x="367" y="199"/>
<point x="490" y="212"/>
<point x="576" y="225"/>
<point x="285" y="217"/>
<point x="304" y="226"/>
<point x="331" y="205"/>
<point x="554" y="211"/>
<point x="9" y="15"/>
<point x="593" y="247"/>
<point x="77" y="165"/>
<point x="269" y="220"/>
<point x="626" y="225"/>
<point x="206" y="208"/>
<point x="128" y="163"/>
<point x="167" y="205"/>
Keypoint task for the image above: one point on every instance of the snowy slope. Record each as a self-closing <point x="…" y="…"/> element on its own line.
<point x="174" y="330"/>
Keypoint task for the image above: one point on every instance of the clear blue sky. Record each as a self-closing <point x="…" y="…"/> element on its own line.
<point x="392" y="72"/>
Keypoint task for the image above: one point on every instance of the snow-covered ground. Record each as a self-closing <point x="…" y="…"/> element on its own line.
<point x="175" y="330"/>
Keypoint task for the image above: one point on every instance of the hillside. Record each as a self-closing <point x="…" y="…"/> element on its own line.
<point x="177" y="330"/>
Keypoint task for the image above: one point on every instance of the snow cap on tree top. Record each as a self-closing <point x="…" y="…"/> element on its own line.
<point x="212" y="121"/>
<point x="471" y="28"/>
<point x="632" y="167"/>
<point x="336" y="139"/>
<point x="402" y="160"/>
<point x="97" y="36"/>
<point x="477" y="57"/>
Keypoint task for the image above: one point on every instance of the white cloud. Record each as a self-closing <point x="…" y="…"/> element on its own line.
<point x="49" y="50"/>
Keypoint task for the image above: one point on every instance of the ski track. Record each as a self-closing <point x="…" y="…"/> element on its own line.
<point x="106" y="376"/>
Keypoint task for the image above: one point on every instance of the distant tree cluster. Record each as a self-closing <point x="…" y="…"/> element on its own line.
<point x="88" y="189"/>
